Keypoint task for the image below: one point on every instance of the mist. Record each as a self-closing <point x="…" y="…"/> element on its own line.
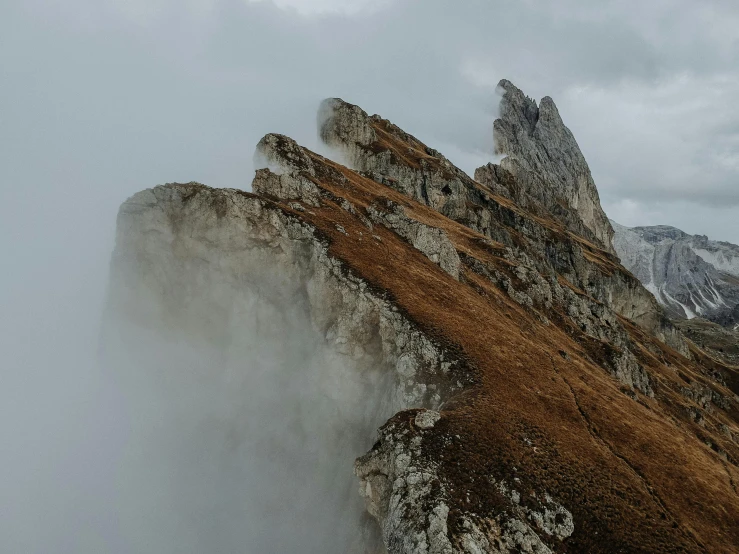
<point x="242" y="425"/>
<point x="182" y="409"/>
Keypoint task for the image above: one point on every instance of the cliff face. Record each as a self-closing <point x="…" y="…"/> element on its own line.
<point x="721" y="343"/>
<point x="542" y="401"/>
<point x="691" y="276"/>
<point x="551" y="171"/>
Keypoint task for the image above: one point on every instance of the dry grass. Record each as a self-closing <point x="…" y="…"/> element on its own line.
<point x="638" y="476"/>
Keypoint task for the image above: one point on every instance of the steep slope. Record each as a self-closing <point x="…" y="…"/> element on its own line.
<point x="690" y="275"/>
<point x="385" y="153"/>
<point x="533" y="414"/>
<point x="720" y="342"/>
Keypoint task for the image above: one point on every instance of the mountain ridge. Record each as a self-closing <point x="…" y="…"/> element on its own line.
<point x="691" y="275"/>
<point x="543" y="400"/>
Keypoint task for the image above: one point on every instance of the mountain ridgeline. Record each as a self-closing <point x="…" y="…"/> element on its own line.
<point x="690" y="275"/>
<point x="502" y="383"/>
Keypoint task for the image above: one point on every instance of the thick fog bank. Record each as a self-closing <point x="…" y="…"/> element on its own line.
<point x="208" y="416"/>
<point x="242" y="424"/>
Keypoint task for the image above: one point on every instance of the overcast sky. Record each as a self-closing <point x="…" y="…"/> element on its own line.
<point x="109" y="97"/>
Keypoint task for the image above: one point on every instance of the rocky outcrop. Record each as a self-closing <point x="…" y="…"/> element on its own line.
<point x="535" y="405"/>
<point x="225" y="234"/>
<point x="389" y="155"/>
<point x="718" y="341"/>
<point x="543" y="155"/>
<point x="380" y="150"/>
<point x="406" y="494"/>
<point x="691" y="276"/>
<point x="433" y="242"/>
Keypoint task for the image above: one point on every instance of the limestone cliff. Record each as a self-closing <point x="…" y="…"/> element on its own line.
<point x="539" y="399"/>
<point x="548" y="165"/>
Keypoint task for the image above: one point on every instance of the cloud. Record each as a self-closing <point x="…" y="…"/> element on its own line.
<point x="716" y="222"/>
<point x="643" y="83"/>
<point x="320" y="7"/>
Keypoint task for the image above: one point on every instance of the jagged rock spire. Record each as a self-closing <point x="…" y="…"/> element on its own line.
<point x="544" y="156"/>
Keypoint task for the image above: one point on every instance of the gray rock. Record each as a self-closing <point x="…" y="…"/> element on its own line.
<point x="404" y="490"/>
<point x="286" y="172"/>
<point x="720" y="342"/>
<point x="433" y="242"/>
<point x="389" y="155"/>
<point x="543" y="155"/>
<point x="690" y="275"/>
<point x="427" y="419"/>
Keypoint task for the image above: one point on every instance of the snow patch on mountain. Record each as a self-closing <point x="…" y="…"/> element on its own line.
<point x="725" y="259"/>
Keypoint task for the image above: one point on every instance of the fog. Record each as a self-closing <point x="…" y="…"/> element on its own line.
<point x="240" y="425"/>
<point x="177" y="409"/>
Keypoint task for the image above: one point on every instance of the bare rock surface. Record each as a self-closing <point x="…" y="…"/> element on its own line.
<point x="720" y="342"/>
<point x="543" y="155"/>
<point x="690" y="275"/>
<point x="405" y="492"/>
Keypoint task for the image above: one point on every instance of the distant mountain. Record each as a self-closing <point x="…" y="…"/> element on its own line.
<point x="690" y="275"/>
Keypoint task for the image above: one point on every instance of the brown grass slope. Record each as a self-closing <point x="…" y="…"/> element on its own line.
<point x="392" y="156"/>
<point x="639" y="475"/>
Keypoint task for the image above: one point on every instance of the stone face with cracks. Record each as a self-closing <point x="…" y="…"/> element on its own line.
<point x="433" y="242"/>
<point x="543" y="155"/>
<point x="404" y="490"/>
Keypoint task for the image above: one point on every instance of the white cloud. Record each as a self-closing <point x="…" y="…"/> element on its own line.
<point x="673" y="139"/>
<point x="313" y="7"/>
<point x="716" y="223"/>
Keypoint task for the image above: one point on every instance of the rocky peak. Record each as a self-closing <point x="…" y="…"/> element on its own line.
<point x="659" y="233"/>
<point x="345" y="123"/>
<point x="544" y="156"/>
<point x="281" y="154"/>
<point x="518" y="107"/>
